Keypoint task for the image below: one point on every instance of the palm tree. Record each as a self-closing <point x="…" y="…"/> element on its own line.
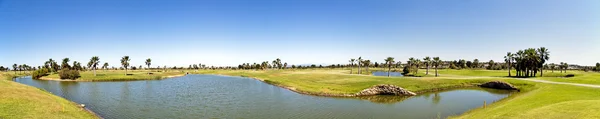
<point x="436" y="62"/>
<point x="65" y="63"/>
<point x="148" y="62"/>
<point x="278" y="63"/>
<point x="93" y="64"/>
<point x="389" y="61"/>
<point x="509" y="58"/>
<point x="105" y="66"/>
<point x="427" y="61"/>
<point x="351" y="64"/>
<point x="367" y="63"/>
<point x="285" y="65"/>
<point x="125" y="63"/>
<point x="15" y="68"/>
<point x="359" y="62"/>
<point x="544" y="54"/>
<point x="274" y="64"/>
<point x="566" y="66"/>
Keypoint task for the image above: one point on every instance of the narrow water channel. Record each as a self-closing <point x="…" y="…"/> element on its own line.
<point x="210" y="96"/>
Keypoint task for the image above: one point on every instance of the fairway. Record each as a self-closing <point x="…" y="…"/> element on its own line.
<point x="19" y="101"/>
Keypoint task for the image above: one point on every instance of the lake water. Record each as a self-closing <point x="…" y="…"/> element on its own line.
<point x="211" y="96"/>
<point x="385" y="73"/>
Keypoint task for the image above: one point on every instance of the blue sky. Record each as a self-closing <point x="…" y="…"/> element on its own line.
<point x="230" y="32"/>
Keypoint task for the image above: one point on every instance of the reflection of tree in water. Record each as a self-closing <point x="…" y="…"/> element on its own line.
<point x="384" y="98"/>
<point x="436" y="98"/>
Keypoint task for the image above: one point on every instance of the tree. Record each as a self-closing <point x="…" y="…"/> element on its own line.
<point x="359" y="63"/>
<point x="285" y="65"/>
<point x="65" y="64"/>
<point x="436" y="63"/>
<point x="544" y="55"/>
<point x="366" y="63"/>
<point x="491" y="64"/>
<point x="427" y="62"/>
<point x="279" y="65"/>
<point x="15" y="66"/>
<point x="552" y="67"/>
<point x="508" y="59"/>
<point x="149" y="62"/>
<point x="476" y="63"/>
<point x="125" y="63"/>
<point x="351" y="64"/>
<point x="389" y="61"/>
<point x="565" y="66"/>
<point x="93" y="64"/>
<point x="105" y="66"/>
<point x="598" y="66"/>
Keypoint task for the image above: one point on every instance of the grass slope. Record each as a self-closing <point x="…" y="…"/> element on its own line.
<point x="19" y="101"/>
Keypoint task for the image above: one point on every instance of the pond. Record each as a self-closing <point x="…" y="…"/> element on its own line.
<point x="385" y="73"/>
<point x="211" y="96"/>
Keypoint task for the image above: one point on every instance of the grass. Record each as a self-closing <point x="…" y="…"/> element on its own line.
<point x="536" y="100"/>
<point x="19" y="101"/>
<point x="119" y="75"/>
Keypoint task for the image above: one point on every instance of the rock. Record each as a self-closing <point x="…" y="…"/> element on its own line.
<point x="499" y="85"/>
<point x="82" y="105"/>
<point x="385" y="89"/>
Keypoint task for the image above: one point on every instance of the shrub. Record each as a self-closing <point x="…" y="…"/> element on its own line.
<point x="39" y="73"/>
<point x="69" y="74"/>
<point x="570" y="75"/>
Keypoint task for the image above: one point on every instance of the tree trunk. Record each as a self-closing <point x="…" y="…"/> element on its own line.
<point x="94" y="71"/>
<point x="509" y="69"/>
<point x="542" y="72"/>
<point x="427" y="73"/>
<point x="436" y="71"/>
<point x="125" y="71"/>
<point x="359" y="68"/>
<point x="389" y="68"/>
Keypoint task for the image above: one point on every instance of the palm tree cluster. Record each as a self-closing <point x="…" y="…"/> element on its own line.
<point x="275" y="64"/>
<point x="528" y="62"/>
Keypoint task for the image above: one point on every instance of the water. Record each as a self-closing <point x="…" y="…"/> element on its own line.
<point x="209" y="96"/>
<point x="385" y="73"/>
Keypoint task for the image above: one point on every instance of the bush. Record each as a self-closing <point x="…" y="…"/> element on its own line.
<point x="39" y="73"/>
<point x="69" y="74"/>
<point x="570" y="75"/>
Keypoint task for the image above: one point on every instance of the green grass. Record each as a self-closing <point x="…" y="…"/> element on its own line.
<point x="536" y="100"/>
<point x="19" y="101"/>
<point x="119" y="75"/>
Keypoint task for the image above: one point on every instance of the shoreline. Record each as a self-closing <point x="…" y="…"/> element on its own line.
<point x="321" y="94"/>
<point x="84" y="80"/>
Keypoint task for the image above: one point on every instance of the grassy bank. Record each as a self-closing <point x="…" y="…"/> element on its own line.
<point x="19" y="101"/>
<point x="119" y="75"/>
<point x="536" y="100"/>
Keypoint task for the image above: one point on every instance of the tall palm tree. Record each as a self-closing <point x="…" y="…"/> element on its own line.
<point x="65" y="64"/>
<point x="148" y="62"/>
<point x="278" y="63"/>
<point x="436" y="63"/>
<point x="274" y="64"/>
<point x="427" y="62"/>
<point x="389" y="61"/>
<point x="351" y="64"/>
<point x="15" y="66"/>
<point x="359" y="63"/>
<point x="125" y="63"/>
<point x="93" y="64"/>
<point x="105" y="66"/>
<point x="367" y="63"/>
<point x="544" y="55"/>
<point x="508" y="59"/>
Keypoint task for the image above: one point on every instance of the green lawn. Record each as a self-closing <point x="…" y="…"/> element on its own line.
<point x="19" y="101"/>
<point x="119" y="75"/>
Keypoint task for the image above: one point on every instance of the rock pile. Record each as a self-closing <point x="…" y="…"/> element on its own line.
<point x="385" y="89"/>
<point x="499" y="85"/>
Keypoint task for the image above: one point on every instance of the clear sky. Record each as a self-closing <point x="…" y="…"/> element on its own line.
<point x="230" y="32"/>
